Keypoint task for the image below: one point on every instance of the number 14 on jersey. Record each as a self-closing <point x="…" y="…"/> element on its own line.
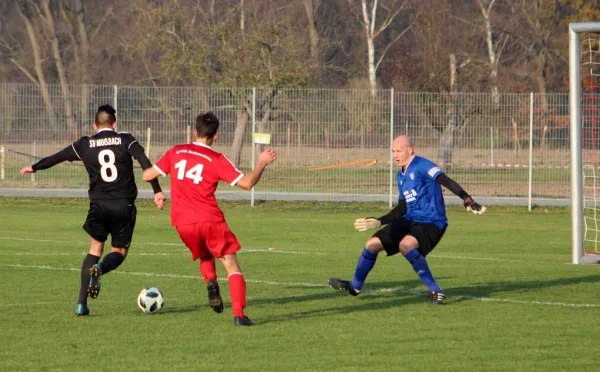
<point x="194" y="173"/>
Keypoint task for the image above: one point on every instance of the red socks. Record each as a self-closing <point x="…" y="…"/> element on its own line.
<point x="237" y="286"/>
<point x="237" y="291"/>
<point x="208" y="270"/>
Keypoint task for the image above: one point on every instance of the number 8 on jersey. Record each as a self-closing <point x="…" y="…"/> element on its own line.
<point x="107" y="165"/>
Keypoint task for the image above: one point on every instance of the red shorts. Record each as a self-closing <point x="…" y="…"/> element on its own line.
<point x="208" y="239"/>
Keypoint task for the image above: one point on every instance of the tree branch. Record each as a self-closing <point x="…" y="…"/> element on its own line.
<point x="389" y="19"/>
<point x="393" y="41"/>
<point x="103" y="20"/>
<point x="25" y="71"/>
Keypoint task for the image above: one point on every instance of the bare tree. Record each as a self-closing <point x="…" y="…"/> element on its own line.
<point x="373" y="29"/>
<point x="27" y="15"/>
<point x="242" y="17"/>
<point x="310" y="6"/>
<point x="270" y="53"/>
<point x="58" y="32"/>
<point x="447" y="139"/>
<point x="47" y="17"/>
<point x="535" y="33"/>
<point x="494" y="47"/>
<point x="81" y="33"/>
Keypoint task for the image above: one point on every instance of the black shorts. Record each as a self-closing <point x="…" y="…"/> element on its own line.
<point x="114" y="217"/>
<point x="428" y="235"/>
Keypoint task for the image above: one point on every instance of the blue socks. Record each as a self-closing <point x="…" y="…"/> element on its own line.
<point x="364" y="266"/>
<point x="366" y="262"/>
<point x="419" y="264"/>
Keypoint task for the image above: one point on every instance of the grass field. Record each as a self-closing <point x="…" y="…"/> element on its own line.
<point x="515" y="303"/>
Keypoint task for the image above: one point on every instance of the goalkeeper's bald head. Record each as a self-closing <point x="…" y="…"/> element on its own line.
<point x="403" y="150"/>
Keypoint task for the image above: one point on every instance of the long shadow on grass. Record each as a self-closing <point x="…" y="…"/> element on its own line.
<point x="489" y="289"/>
<point x="367" y="303"/>
<point x="408" y="292"/>
<point x="398" y="295"/>
<point x="181" y="309"/>
<point x="326" y="292"/>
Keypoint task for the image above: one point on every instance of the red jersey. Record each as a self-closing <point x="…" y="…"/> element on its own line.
<point x="195" y="172"/>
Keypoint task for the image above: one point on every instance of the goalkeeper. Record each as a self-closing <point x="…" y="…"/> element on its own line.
<point x="415" y="226"/>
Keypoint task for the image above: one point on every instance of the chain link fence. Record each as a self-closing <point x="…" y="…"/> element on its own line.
<point x="332" y="144"/>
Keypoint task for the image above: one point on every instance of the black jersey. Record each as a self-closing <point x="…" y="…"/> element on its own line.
<point x="107" y="159"/>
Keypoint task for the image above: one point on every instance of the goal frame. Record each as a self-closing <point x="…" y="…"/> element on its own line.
<point x="575" y="88"/>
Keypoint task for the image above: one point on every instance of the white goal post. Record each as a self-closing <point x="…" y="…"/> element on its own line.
<point x="584" y="222"/>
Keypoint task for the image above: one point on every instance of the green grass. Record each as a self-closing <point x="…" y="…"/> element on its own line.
<point x="514" y="301"/>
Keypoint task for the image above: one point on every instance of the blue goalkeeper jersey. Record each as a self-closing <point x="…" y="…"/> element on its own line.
<point x="424" y="198"/>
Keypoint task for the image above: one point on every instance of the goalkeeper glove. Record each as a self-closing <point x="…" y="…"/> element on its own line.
<point x="473" y="206"/>
<point x="364" y="224"/>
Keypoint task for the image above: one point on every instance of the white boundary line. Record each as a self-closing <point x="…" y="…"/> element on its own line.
<point x="244" y="250"/>
<point x="40" y="303"/>
<point x="311" y="285"/>
<point x="187" y="253"/>
<point x="256" y="250"/>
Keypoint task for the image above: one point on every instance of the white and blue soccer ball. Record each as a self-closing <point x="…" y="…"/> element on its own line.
<point x="151" y="300"/>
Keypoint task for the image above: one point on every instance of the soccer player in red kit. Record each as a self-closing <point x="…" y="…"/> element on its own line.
<point x="195" y="171"/>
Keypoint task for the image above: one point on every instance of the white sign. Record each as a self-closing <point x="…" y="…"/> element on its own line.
<point x="262" y="138"/>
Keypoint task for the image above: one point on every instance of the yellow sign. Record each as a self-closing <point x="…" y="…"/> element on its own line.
<point x="262" y="138"/>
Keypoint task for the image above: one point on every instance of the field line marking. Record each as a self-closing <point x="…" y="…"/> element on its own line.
<point x="78" y="242"/>
<point x="282" y="251"/>
<point x="177" y="276"/>
<point x="39" y="303"/>
<point x="481" y="258"/>
<point x="182" y="253"/>
<point x="312" y="285"/>
<point x="244" y="250"/>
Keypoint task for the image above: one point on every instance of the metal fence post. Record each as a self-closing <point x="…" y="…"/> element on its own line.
<point x="252" y="140"/>
<point x="115" y="96"/>
<point x="492" y="161"/>
<point x="392" y="95"/>
<point x="530" y="192"/>
<point x="34" y="157"/>
<point x="148" y="134"/>
<point x="1" y="162"/>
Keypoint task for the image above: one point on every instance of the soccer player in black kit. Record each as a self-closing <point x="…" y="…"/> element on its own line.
<point x="107" y="159"/>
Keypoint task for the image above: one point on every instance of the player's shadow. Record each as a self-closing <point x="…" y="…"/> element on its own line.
<point x="474" y="292"/>
<point x="365" y="303"/>
<point x="402" y="293"/>
<point x="399" y="293"/>
<point x="181" y="309"/>
<point x="325" y="292"/>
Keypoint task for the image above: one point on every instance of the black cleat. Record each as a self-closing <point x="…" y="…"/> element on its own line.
<point x="437" y="297"/>
<point x="94" y="286"/>
<point x="238" y="321"/>
<point x="343" y="285"/>
<point x="214" y="296"/>
<point x="82" y="310"/>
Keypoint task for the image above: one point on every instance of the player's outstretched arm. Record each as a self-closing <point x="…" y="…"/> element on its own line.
<point x="66" y="154"/>
<point x="372" y="223"/>
<point x="150" y="174"/>
<point x="137" y="151"/>
<point x="468" y="202"/>
<point x="265" y="158"/>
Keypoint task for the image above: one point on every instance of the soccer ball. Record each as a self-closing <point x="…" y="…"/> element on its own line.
<point x="151" y="300"/>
